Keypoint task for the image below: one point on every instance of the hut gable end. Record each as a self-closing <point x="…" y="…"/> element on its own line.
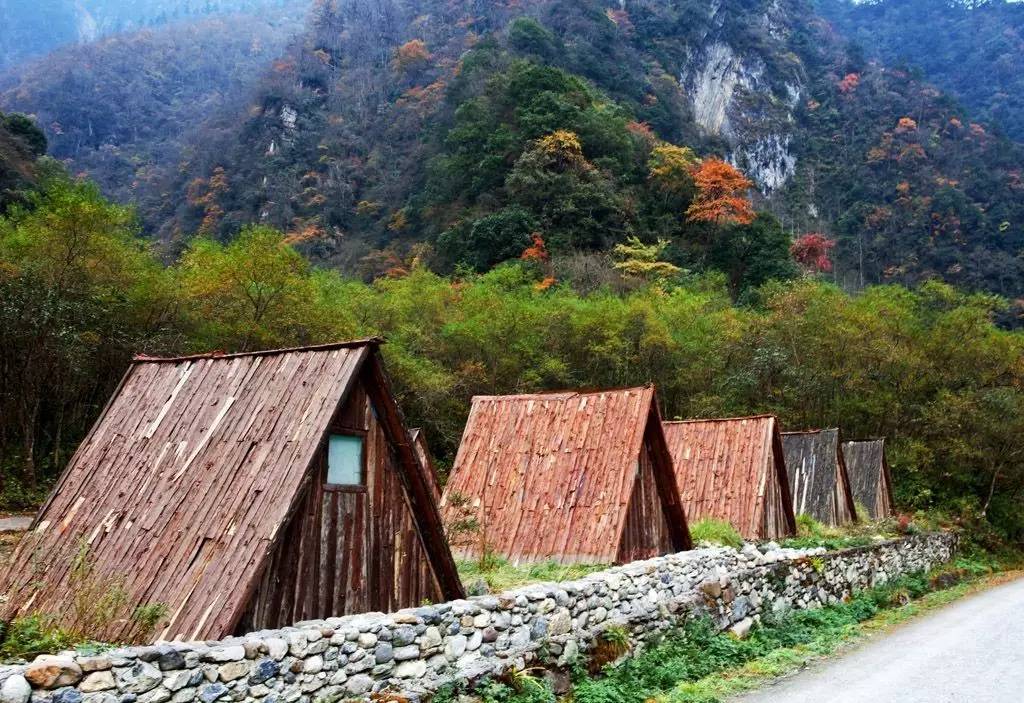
<point x="818" y="480"/>
<point x="196" y="471"/>
<point x="571" y="477"/>
<point x="870" y="479"/>
<point x="732" y="469"/>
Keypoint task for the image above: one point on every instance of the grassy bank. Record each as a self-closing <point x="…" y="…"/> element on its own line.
<point x="498" y="575"/>
<point x="696" y="664"/>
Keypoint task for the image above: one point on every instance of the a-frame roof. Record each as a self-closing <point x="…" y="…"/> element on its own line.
<point x="870" y="480"/>
<point x="818" y="480"/>
<point x="182" y="487"/>
<point x="419" y="444"/>
<point x="551" y="475"/>
<point x="729" y="468"/>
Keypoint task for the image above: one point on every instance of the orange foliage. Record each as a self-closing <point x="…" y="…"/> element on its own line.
<point x="876" y="154"/>
<point x="642" y="130"/>
<point x="205" y="194"/>
<point x="423" y="99"/>
<point x="305" y="233"/>
<point x="283" y="66"/>
<point x="721" y="194"/>
<point x="211" y="217"/>
<point x="537" y="251"/>
<point x="383" y="263"/>
<point x="906" y="124"/>
<point x="902" y="187"/>
<point x="546" y="283"/>
<point x="911" y="151"/>
<point x="878" y="217"/>
<point x="849" y="83"/>
<point x="412" y="55"/>
<point x="620" y="18"/>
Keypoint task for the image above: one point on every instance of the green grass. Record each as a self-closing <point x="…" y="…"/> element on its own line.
<point x="716" y="532"/>
<point x="697" y="664"/>
<point x="811" y="533"/>
<point x="500" y="575"/>
<point x="27" y="637"/>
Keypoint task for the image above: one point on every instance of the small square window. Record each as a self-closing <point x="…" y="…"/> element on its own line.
<point x="345" y="460"/>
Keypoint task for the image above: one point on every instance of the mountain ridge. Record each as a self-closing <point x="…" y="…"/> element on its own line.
<point x="357" y="138"/>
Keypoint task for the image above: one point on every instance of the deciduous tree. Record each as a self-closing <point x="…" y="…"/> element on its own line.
<point x="721" y="194"/>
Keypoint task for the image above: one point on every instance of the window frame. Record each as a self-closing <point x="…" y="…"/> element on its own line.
<point x="345" y="487"/>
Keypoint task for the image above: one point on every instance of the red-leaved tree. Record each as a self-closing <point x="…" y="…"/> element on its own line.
<point x="811" y="252"/>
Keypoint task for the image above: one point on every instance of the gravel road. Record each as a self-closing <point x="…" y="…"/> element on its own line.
<point x="971" y="650"/>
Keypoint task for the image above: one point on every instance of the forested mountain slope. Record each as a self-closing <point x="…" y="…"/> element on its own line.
<point x="33" y="27"/>
<point x="124" y="109"/>
<point x="21" y="145"/>
<point x="972" y="49"/>
<point x="391" y="122"/>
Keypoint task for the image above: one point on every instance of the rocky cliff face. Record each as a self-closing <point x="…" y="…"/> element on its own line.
<point x="736" y="92"/>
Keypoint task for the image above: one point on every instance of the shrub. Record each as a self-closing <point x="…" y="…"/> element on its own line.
<point x="33" y="635"/>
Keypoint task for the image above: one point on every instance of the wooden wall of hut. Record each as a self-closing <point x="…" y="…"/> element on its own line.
<point x="347" y="550"/>
<point x="645" y="533"/>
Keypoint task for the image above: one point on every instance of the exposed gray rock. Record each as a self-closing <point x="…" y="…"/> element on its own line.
<point x="208" y="693"/>
<point x="411" y="669"/>
<point x="358" y="685"/>
<point x="15" y="689"/>
<point x="139" y="678"/>
<point x="99" y="662"/>
<point x="219" y="655"/>
<point x="402" y="636"/>
<point x="97" y="681"/>
<point x="170" y="659"/>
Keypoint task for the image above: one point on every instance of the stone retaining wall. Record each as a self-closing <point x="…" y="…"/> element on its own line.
<point x="415" y="651"/>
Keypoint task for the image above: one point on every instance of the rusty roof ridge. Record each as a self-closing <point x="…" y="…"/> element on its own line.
<point x="695" y="420"/>
<point x="566" y="394"/>
<point x="367" y="341"/>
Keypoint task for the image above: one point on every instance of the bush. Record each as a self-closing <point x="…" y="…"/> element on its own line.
<point x="31" y="636"/>
<point x="811" y="533"/>
<point x="716" y="532"/>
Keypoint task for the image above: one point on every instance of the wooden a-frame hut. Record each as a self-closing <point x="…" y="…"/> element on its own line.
<point x="870" y="479"/>
<point x="733" y="470"/>
<point x="818" y="480"/>
<point x="240" y="492"/>
<point x="573" y="477"/>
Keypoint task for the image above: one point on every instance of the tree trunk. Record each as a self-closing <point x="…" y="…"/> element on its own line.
<point x="991" y="492"/>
